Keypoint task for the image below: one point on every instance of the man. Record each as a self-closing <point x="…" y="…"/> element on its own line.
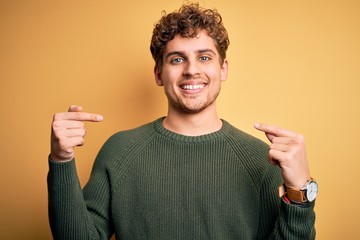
<point x="189" y="175"/>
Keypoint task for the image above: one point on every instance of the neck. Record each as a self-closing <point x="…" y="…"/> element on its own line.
<point x="193" y="124"/>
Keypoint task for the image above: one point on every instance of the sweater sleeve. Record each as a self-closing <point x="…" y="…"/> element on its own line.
<point x="280" y="220"/>
<point x="70" y="215"/>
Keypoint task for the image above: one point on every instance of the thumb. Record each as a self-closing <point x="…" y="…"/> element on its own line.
<point x="270" y="136"/>
<point x="75" y="108"/>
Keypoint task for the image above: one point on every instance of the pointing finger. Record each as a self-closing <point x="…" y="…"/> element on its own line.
<point x="273" y="131"/>
<point x="79" y="116"/>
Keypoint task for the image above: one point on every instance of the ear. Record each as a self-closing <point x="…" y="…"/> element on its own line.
<point x="224" y="70"/>
<point x="157" y="74"/>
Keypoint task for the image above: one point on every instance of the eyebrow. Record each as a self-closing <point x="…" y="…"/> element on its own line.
<point x="181" y="53"/>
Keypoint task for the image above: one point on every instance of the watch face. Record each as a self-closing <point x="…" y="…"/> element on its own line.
<point x="311" y="191"/>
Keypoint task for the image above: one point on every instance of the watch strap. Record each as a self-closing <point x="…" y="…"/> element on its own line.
<point x="296" y="195"/>
<point x="288" y="201"/>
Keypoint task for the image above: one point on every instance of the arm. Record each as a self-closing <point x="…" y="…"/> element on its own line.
<point x="68" y="211"/>
<point x="287" y="150"/>
<point x="278" y="219"/>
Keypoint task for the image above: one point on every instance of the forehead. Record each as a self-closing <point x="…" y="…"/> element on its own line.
<point x="188" y="45"/>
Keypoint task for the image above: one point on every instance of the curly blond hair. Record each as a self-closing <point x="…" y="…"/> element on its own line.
<point x="187" y="22"/>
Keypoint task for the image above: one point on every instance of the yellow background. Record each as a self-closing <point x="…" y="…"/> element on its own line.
<point x="293" y="63"/>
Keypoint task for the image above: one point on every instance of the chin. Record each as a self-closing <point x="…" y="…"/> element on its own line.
<point x="194" y="108"/>
<point x="192" y="111"/>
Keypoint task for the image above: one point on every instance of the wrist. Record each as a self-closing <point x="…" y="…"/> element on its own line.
<point x="59" y="160"/>
<point x="303" y="195"/>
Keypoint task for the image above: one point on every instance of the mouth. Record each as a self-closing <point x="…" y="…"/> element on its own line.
<point x="192" y="86"/>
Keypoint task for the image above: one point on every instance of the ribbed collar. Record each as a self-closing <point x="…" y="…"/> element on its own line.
<point x="159" y="127"/>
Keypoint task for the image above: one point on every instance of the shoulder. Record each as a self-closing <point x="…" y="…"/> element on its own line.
<point x="126" y="142"/>
<point x="251" y="152"/>
<point x="132" y="135"/>
<point x="244" y="142"/>
<point x="124" y="139"/>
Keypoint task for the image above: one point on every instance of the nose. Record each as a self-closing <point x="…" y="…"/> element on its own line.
<point x="192" y="68"/>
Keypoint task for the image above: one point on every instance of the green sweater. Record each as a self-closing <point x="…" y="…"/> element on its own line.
<point x="150" y="183"/>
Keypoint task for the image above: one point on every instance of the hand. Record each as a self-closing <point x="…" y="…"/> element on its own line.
<point x="287" y="149"/>
<point x="68" y="131"/>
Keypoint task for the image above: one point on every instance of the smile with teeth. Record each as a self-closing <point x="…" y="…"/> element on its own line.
<point x="193" y="87"/>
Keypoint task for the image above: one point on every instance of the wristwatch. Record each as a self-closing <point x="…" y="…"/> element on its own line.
<point x="306" y="194"/>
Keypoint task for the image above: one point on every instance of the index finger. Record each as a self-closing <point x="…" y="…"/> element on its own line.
<point x="274" y="131"/>
<point x="79" y="116"/>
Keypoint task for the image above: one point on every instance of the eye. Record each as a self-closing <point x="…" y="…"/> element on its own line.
<point x="204" y="58"/>
<point x="176" y="60"/>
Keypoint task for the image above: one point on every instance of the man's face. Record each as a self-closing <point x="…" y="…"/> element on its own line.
<point x="191" y="73"/>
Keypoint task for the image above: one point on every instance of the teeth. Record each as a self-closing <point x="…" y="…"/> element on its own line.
<point x="193" y="87"/>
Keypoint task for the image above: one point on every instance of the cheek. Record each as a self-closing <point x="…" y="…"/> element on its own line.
<point x="214" y="73"/>
<point x="170" y="77"/>
<point x="169" y="82"/>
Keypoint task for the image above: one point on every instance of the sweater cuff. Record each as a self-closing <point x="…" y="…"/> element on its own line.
<point x="62" y="172"/>
<point x="296" y="215"/>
